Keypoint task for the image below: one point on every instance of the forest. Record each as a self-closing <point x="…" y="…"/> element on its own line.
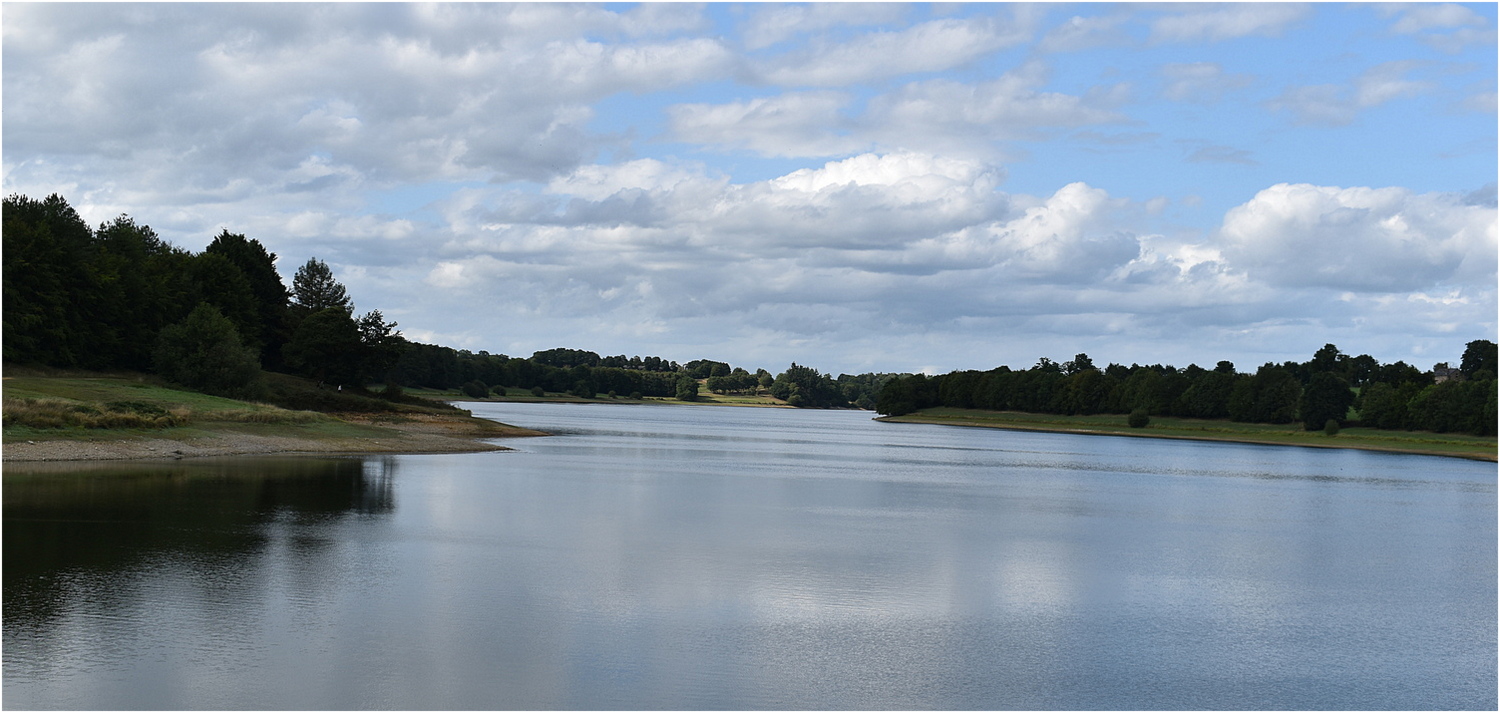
<point x="118" y="297"/>
<point x="1329" y="387"/>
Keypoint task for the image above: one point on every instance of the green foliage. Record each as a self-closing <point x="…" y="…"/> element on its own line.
<point x="564" y="358"/>
<point x="475" y="389"/>
<point x="813" y="389"/>
<point x="1271" y="396"/>
<point x="1138" y="418"/>
<point x="687" y="388"/>
<point x="1479" y="355"/>
<point x="315" y="290"/>
<point x="326" y="347"/>
<point x="271" y="297"/>
<point x="1326" y="397"/>
<point x="538" y="391"/>
<point x="204" y="352"/>
<point x="1331" y="427"/>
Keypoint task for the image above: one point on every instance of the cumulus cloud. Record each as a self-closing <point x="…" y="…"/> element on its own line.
<point x="1361" y="239"/>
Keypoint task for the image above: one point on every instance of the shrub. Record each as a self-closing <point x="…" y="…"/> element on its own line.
<point x="1139" y="418"/>
<point x="635" y="395"/>
<point x="538" y="391"/>
<point x="1331" y="427"/>
<point x="475" y="389"/>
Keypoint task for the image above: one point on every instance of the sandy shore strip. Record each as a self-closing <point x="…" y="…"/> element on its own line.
<point x="421" y="434"/>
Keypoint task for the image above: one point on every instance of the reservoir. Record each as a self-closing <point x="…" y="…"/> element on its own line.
<point x="700" y="557"/>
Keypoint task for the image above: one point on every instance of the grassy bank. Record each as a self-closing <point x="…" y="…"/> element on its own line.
<point x="50" y="415"/>
<point x="1441" y="444"/>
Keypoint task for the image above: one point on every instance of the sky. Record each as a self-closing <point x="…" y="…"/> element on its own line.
<point x="854" y="187"/>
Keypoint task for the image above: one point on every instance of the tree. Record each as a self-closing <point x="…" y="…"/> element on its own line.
<point x="271" y="296"/>
<point x="1326" y="398"/>
<point x="1479" y="355"/>
<point x="314" y="289"/>
<point x="204" y="352"/>
<point x="326" y="346"/>
<point x="380" y="346"/>
<point x="219" y="282"/>
<point x="687" y="388"/>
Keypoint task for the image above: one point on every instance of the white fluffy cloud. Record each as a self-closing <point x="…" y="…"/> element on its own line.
<point x="1361" y="239"/>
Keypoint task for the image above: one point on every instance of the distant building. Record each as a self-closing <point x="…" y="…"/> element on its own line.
<point x="1441" y="373"/>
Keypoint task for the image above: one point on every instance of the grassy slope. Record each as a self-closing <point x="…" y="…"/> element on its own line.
<point x="212" y="415"/>
<point x="1445" y="444"/>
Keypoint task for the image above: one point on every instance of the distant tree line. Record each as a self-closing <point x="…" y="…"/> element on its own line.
<point x="1322" y="389"/>
<point x="119" y="297"/>
<point x="586" y="374"/>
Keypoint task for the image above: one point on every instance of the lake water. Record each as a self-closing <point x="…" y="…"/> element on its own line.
<point x="700" y="557"/>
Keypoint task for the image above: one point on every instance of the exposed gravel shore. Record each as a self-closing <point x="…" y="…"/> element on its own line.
<point x="424" y="434"/>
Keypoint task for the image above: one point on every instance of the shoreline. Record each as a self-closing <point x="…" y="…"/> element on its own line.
<point x="971" y="423"/>
<point x="409" y="435"/>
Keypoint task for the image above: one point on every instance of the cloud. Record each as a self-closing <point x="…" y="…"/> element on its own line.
<point x="927" y="47"/>
<point x="771" y="24"/>
<point x="1214" y="22"/>
<point x="796" y="124"/>
<point x="943" y="112"/>
<point x="1200" y="82"/>
<point x="1361" y="239"/>
<point x="192" y="97"/>
<point x="1335" y="105"/>
<point x="1447" y="27"/>
<point x="937" y="115"/>
<point x="1082" y="33"/>
<point x="1205" y="152"/>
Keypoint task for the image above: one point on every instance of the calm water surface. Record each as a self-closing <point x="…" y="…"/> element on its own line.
<point x="708" y="557"/>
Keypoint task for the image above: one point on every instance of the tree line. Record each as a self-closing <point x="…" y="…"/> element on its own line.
<point x="119" y="297"/>
<point x="1331" y="386"/>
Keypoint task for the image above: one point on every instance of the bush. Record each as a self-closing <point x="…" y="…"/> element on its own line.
<point x="538" y="391"/>
<point x="475" y="389"/>
<point x="1139" y="418"/>
<point x="635" y="395"/>
<point x="1331" y="428"/>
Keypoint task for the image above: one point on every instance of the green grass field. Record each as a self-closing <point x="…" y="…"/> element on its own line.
<point x="1445" y="444"/>
<point x="93" y="407"/>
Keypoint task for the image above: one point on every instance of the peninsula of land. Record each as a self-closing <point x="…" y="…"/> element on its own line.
<point x="94" y="417"/>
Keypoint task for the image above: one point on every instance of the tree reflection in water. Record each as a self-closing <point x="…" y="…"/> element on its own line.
<point x="81" y="532"/>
